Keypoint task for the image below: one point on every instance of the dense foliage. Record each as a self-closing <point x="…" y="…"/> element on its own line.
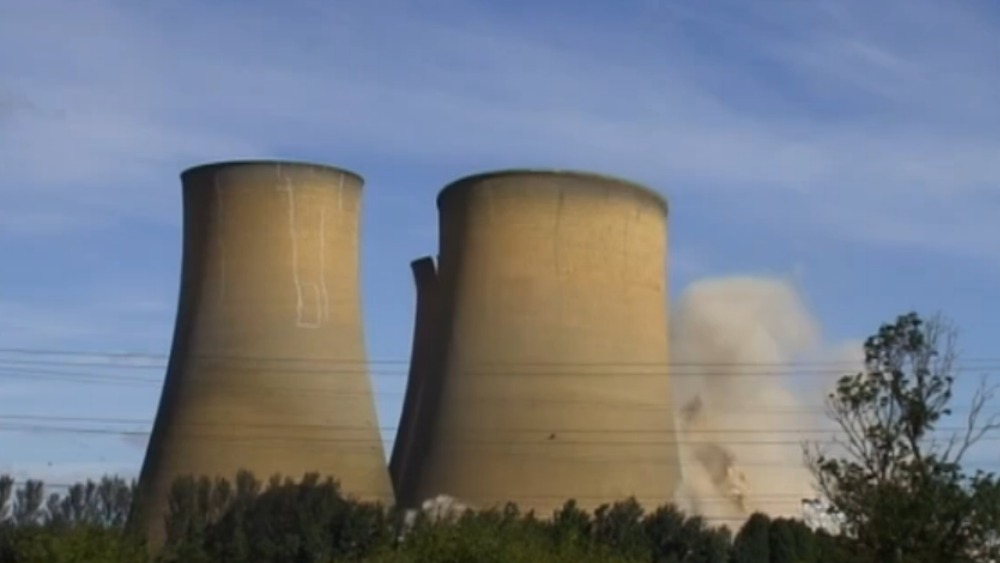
<point x="310" y="521"/>
<point x="894" y="478"/>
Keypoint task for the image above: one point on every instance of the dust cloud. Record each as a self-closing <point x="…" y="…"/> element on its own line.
<point x="741" y="423"/>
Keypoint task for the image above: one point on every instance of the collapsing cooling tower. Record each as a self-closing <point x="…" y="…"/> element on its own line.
<point x="420" y="401"/>
<point x="268" y="368"/>
<point x="540" y="365"/>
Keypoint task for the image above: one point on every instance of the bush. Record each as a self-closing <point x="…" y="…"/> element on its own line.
<point x="311" y="521"/>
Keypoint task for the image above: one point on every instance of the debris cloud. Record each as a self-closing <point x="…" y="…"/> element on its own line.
<point x="741" y="424"/>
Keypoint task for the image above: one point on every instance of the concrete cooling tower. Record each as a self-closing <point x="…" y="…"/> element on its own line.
<point x="539" y="370"/>
<point x="268" y="368"/>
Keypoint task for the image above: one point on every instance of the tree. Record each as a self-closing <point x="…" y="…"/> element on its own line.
<point x="828" y="548"/>
<point x="619" y="526"/>
<point x="753" y="542"/>
<point x="105" y="503"/>
<point x="781" y="542"/>
<point x="30" y="503"/>
<point x="807" y="548"/>
<point x="6" y="496"/>
<point x="896" y="487"/>
<point x="570" y="524"/>
<point x="674" y="536"/>
<point x="85" y="525"/>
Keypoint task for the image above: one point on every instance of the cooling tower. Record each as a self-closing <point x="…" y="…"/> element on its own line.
<point x="419" y="403"/>
<point x="268" y="369"/>
<point x="545" y="374"/>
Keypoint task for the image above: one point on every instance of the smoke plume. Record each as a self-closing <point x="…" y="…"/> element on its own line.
<point x="740" y="422"/>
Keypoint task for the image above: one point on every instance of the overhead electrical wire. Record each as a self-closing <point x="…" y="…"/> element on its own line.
<point x="27" y="360"/>
<point x="24" y="363"/>
<point x="506" y="369"/>
<point x="523" y="437"/>
<point x="148" y="355"/>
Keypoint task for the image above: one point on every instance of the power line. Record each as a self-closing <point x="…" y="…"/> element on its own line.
<point x="542" y="436"/>
<point x="335" y="394"/>
<point x="151" y="356"/>
<point x="348" y="394"/>
<point x="74" y="360"/>
<point x="26" y="357"/>
<point x="361" y="427"/>
<point x="506" y="369"/>
<point x="103" y="355"/>
<point x="160" y="356"/>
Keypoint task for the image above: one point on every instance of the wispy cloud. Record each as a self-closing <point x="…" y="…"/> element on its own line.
<point x="84" y="324"/>
<point x="816" y="121"/>
<point x="831" y="101"/>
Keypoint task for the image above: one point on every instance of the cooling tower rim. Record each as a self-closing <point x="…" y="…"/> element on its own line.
<point x="464" y="181"/>
<point x="293" y="164"/>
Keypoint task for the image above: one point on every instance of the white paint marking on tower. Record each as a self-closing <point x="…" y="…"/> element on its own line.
<point x="324" y="312"/>
<point x="340" y="194"/>
<point x="625" y="242"/>
<point x="289" y="190"/>
<point x="556" y="246"/>
<point x="220" y="233"/>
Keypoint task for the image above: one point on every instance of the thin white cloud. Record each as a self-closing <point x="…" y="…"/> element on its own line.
<point x="828" y="101"/>
<point x="22" y="325"/>
<point x="35" y="324"/>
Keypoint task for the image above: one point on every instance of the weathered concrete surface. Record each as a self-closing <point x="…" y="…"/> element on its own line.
<point x="419" y="403"/>
<point x="268" y="368"/>
<point x="552" y="346"/>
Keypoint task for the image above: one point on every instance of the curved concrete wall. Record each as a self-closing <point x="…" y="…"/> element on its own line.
<point x="268" y="369"/>
<point x="553" y="345"/>
<point x="419" y="403"/>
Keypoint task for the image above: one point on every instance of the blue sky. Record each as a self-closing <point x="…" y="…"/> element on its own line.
<point x="854" y="146"/>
